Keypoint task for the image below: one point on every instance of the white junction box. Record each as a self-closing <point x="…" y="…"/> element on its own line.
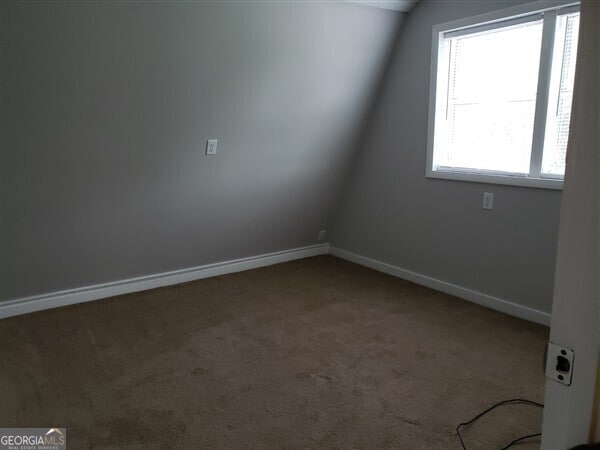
<point x="211" y="147"/>
<point x="559" y="363"/>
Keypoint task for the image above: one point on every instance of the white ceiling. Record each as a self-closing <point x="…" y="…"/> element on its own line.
<point x="394" y="5"/>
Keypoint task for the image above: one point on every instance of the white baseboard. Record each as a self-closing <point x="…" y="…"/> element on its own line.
<point x="98" y="291"/>
<point x="479" y="298"/>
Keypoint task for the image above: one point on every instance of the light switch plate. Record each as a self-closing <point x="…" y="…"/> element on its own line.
<point x="211" y="147"/>
<point x="559" y="363"/>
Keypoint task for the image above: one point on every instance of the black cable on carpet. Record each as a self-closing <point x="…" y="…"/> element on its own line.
<point x="517" y="401"/>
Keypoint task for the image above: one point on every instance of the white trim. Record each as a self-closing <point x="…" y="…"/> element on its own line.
<point x="541" y="103"/>
<point x="99" y="291"/>
<point x="510" y="12"/>
<point x="510" y="22"/>
<point x="569" y="410"/>
<point x="543" y="183"/>
<point x="104" y="290"/>
<point x="470" y="295"/>
<point x="487" y="19"/>
<point x="431" y="113"/>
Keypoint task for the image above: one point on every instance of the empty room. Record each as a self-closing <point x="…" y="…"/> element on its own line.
<point x="287" y="224"/>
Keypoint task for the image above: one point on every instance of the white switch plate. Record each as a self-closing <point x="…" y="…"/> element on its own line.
<point x="488" y="200"/>
<point x="211" y="147"/>
<point x="559" y="363"/>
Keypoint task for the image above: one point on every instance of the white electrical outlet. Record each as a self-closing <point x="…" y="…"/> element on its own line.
<point x="322" y="235"/>
<point x="211" y="147"/>
<point x="559" y="363"/>
<point x="488" y="200"/>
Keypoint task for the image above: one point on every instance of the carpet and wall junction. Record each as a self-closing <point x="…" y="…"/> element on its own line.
<point x="314" y="353"/>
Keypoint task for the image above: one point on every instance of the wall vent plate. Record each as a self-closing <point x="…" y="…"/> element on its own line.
<point x="559" y="363"/>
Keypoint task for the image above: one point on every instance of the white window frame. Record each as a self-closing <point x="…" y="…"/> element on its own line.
<point x="549" y="8"/>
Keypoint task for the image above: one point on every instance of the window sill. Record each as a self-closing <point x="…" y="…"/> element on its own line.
<point x="543" y="183"/>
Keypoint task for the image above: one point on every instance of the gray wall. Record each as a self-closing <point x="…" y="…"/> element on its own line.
<point x="392" y="213"/>
<point x="106" y="108"/>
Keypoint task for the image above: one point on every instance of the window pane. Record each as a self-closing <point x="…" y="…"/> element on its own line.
<point x="491" y="94"/>
<point x="561" y="95"/>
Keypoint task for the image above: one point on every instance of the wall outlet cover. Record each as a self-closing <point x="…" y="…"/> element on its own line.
<point x="488" y="200"/>
<point x="211" y="147"/>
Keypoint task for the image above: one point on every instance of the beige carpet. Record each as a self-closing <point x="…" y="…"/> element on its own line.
<point x="316" y="353"/>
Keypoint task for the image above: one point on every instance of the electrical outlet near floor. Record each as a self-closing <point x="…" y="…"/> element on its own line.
<point x="559" y="363"/>
<point x="321" y="235"/>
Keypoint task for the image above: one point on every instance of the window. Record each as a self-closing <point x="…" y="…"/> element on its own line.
<point x="501" y="93"/>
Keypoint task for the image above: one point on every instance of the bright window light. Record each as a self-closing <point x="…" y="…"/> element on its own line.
<point x="502" y="98"/>
<point x="561" y="96"/>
